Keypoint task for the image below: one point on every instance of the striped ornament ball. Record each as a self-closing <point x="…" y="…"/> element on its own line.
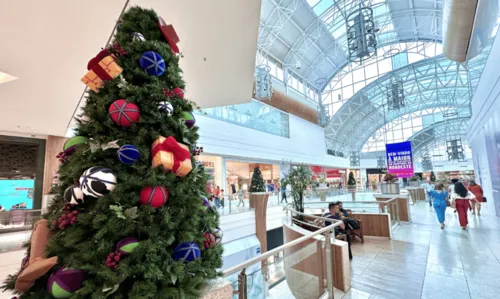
<point x="187" y="252"/>
<point x="97" y="181"/>
<point x="128" y="154"/>
<point x="124" y="113"/>
<point x="152" y="63"/>
<point x="166" y="107"/>
<point x="154" y="196"/>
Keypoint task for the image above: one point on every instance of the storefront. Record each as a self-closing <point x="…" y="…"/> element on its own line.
<point x="232" y="175"/>
<point x="239" y="175"/>
<point x="331" y="176"/>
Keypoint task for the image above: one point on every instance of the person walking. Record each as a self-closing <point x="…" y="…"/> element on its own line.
<point x="461" y="197"/>
<point x="478" y="192"/>
<point x="451" y="189"/>
<point x="440" y="202"/>
<point x="428" y="186"/>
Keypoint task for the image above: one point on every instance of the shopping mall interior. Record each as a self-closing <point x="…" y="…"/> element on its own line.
<point x="250" y="149"/>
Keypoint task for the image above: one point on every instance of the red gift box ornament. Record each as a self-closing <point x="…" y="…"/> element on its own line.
<point x="169" y="34"/>
<point x="171" y="155"/>
<point x="101" y="68"/>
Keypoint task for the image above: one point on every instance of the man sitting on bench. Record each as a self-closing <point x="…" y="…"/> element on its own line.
<point x="334" y="213"/>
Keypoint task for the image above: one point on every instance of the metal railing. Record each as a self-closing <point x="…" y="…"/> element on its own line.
<point x="239" y="203"/>
<point x="292" y="253"/>
<point x="18" y="221"/>
<point x="390" y="207"/>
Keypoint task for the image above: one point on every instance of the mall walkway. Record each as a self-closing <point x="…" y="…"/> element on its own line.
<point x="422" y="261"/>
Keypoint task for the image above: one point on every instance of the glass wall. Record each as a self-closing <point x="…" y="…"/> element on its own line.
<point x="254" y="115"/>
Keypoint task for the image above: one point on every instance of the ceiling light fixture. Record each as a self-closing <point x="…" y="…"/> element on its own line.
<point x="4" y="77"/>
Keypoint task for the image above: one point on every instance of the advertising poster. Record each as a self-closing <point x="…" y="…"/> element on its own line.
<point x="16" y="194"/>
<point x="400" y="159"/>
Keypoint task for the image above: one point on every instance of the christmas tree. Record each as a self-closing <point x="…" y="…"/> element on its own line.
<point x="257" y="184"/>
<point x="130" y="219"/>
<point x="351" y="181"/>
<point x="433" y="176"/>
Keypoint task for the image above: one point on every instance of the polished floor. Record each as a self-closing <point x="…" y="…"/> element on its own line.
<point x="421" y="262"/>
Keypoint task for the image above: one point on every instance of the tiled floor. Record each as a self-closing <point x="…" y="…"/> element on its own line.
<point x="421" y="262"/>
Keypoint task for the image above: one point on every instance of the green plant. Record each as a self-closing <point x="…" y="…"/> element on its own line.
<point x="150" y="271"/>
<point x="351" y="181"/>
<point x="299" y="178"/>
<point x="390" y="178"/>
<point x="433" y="176"/>
<point x="257" y="184"/>
<point x="415" y="178"/>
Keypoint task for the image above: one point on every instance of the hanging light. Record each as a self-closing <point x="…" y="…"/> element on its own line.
<point x="354" y="157"/>
<point x="427" y="163"/>
<point x="361" y="40"/>
<point x="263" y="85"/>
<point x="455" y="150"/>
<point x="395" y="94"/>
<point x="381" y="162"/>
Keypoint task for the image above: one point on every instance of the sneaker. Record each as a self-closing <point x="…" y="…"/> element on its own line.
<point x="442" y="225"/>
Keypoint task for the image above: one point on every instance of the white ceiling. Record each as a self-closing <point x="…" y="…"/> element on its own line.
<point x="47" y="44"/>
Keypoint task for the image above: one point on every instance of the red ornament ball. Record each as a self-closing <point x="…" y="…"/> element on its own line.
<point x="209" y="241"/>
<point x="154" y="196"/>
<point x="124" y="113"/>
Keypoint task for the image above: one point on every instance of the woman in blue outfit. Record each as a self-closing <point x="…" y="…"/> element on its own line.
<point x="440" y="200"/>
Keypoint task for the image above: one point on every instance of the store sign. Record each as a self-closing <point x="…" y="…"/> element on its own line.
<point x="400" y="159"/>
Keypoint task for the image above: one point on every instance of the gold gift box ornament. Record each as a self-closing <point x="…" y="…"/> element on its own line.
<point x="101" y="68"/>
<point x="171" y="155"/>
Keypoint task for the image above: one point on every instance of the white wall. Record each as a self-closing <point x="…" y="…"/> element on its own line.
<point x="305" y="145"/>
<point x="484" y="129"/>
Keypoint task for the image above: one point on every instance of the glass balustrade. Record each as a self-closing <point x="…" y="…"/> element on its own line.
<point x="254" y="115"/>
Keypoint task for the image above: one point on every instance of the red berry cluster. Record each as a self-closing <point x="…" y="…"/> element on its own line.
<point x="119" y="49"/>
<point x="113" y="260"/>
<point x="68" y="218"/>
<point x="62" y="157"/>
<point x="209" y="241"/>
<point x="197" y="150"/>
<point x="176" y="92"/>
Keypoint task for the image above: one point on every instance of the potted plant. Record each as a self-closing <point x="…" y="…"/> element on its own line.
<point x="390" y="184"/>
<point x="257" y="188"/>
<point x="299" y="178"/>
<point x="415" y="181"/>
<point x="351" y="185"/>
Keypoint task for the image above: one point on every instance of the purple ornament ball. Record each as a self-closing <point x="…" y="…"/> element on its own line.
<point x="65" y="281"/>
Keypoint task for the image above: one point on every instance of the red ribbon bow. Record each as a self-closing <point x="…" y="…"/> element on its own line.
<point x="169" y="34"/>
<point x="171" y="145"/>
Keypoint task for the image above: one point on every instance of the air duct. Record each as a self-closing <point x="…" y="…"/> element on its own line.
<point x="467" y="27"/>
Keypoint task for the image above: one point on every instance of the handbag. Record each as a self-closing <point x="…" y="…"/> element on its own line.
<point x="453" y="204"/>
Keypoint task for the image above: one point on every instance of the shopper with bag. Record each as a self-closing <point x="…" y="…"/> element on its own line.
<point x="478" y="192"/>
<point x="460" y="199"/>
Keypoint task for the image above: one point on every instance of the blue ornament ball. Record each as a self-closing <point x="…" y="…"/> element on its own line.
<point x="188" y="252"/>
<point x="152" y="63"/>
<point x="128" y="154"/>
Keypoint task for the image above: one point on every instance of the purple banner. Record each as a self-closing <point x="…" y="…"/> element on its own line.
<point x="400" y="159"/>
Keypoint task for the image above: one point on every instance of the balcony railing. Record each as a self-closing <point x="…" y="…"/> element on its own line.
<point x="254" y="115"/>
<point x="277" y="266"/>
